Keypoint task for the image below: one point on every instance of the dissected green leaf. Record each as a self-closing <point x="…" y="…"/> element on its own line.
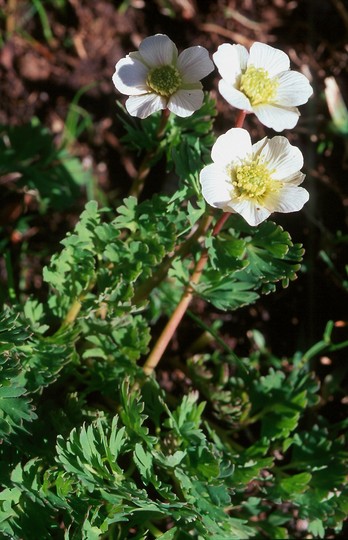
<point x="29" y="150"/>
<point x="227" y="293"/>
<point x="16" y="408"/>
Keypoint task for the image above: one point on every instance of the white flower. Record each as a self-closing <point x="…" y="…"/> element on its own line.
<point x="156" y="77"/>
<point x="261" y="82"/>
<point x="254" y="180"/>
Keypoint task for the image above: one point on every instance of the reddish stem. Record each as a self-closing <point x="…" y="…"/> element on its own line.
<point x="180" y="310"/>
<point x="240" y="119"/>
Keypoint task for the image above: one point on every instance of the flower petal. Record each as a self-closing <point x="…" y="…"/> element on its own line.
<point x="185" y="102"/>
<point x="290" y="199"/>
<point x="272" y="60"/>
<point x="276" y="117"/>
<point x="143" y="106"/>
<point x="282" y="157"/>
<point x="194" y="64"/>
<point x="216" y="185"/>
<point x="234" y="97"/>
<point x="158" y="50"/>
<point x="231" y="147"/>
<point x="231" y="61"/>
<point x="294" y="179"/>
<point x="293" y="89"/>
<point x="130" y="77"/>
<point x="259" y="145"/>
<point x="252" y="213"/>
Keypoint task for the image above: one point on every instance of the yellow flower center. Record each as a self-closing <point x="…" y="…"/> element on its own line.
<point x="258" y="86"/>
<point x="253" y="180"/>
<point x="164" y="80"/>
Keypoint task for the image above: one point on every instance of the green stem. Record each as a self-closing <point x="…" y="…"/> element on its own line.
<point x="73" y="311"/>
<point x="153" y="530"/>
<point x="75" y="307"/>
<point x="145" y="167"/>
<point x="324" y="345"/>
<point x="44" y="20"/>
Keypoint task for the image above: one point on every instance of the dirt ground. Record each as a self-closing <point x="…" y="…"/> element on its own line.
<point x="45" y="62"/>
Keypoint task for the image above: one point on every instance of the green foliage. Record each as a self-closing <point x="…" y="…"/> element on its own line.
<point x="246" y="262"/>
<point x="15" y="406"/>
<point x="233" y="448"/>
<point x="120" y="456"/>
<point x="290" y="463"/>
<point x="77" y="120"/>
<point x="46" y="28"/>
<point x="271" y="254"/>
<point x="29" y="151"/>
<point x="154" y="467"/>
<point x="186" y="142"/>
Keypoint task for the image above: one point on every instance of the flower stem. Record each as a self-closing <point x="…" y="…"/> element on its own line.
<point x="240" y="118"/>
<point x="179" y="312"/>
<point x="76" y="306"/>
<point x="73" y="312"/>
<point x="145" y="166"/>
<point x="174" y="321"/>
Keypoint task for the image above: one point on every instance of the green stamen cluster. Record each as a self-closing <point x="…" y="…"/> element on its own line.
<point x="258" y="86"/>
<point x="253" y="180"/>
<point x="164" y="80"/>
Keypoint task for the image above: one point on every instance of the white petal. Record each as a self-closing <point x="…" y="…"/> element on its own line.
<point x="135" y="55"/>
<point x="294" y="89"/>
<point x="272" y="60"/>
<point x="294" y="179"/>
<point x="158" y="50"/>
<point x="185" y="102"/>
<point x="258" y="146"/>
<point x="143" y="106"/>
<point x="277" y="118"/>
<point x="130" y="76"/>
<point x="216" y="185"/>
<point x="252" y="213"/>
<point x="291" y="199"/>
<point x="231" y="61"/>
<point x="232" y="146"/>
<point x="194" y="64"/>
<point x="234" y="97"/>
<point x="282" y="156"/>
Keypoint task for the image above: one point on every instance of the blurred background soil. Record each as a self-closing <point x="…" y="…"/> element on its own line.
<point x="49" y="56"/>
